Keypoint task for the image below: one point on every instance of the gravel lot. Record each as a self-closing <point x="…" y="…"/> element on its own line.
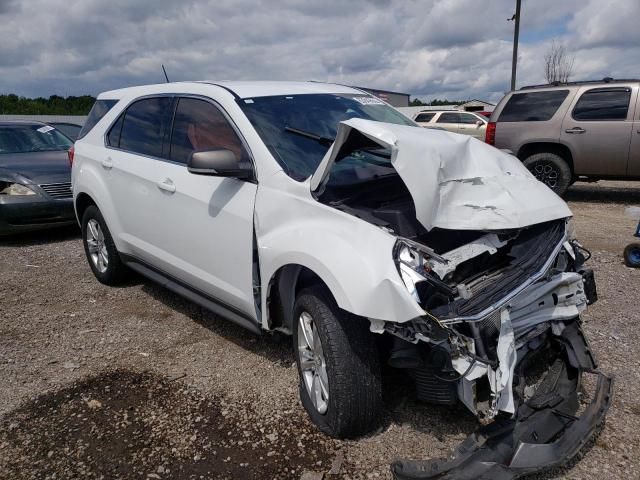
<point x="134" y="382"/>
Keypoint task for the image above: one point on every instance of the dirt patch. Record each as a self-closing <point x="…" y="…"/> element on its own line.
<point x="124" y="424"/>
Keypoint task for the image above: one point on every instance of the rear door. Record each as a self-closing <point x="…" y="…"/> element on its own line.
<point x="134" y="145"/>
<point x="633" y="169"/>
<point x="449" y="121"/>
<point x="597" y="130"/>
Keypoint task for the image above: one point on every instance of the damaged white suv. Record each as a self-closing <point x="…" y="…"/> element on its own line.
<point x="320" y="211"/>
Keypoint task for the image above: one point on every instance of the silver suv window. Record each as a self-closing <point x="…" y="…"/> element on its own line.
<point x="603" y="104"/>
<point x="532" y="106"/>
<point x="449" y="118"/>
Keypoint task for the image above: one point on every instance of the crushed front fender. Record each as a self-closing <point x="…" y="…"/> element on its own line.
<point x="544" y="433"/>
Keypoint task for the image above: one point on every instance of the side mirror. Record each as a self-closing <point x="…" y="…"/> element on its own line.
<point x="479" y="123"/>
<point x="219" y="163"/>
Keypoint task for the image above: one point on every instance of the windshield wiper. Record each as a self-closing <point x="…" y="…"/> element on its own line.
<point x="326" y="141"/>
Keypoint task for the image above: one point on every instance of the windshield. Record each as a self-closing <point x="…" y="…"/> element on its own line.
<point x="298" y="130"/>
<point x="31" y="138"/>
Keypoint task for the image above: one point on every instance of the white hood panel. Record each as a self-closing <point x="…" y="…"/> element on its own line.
<point x="456" y="181"/>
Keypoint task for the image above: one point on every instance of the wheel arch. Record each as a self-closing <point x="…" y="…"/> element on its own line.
<point x="282" y="290"/>
<point x="559" y="149"/>
<point x="82" y="202"/>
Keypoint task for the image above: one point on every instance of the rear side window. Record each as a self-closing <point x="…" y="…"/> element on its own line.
<point x="533" y="106"/>
<point x="449" y="118"/>
<point x="424" y="117"/>
<point x="99" y="110"/>
<point x="198" y="125"/>
<point x="603" y="104"/>
<point x="144" y="126"/>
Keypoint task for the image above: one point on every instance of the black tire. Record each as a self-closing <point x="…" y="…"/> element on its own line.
<point x="632" y="255"/>
<point x="115" y="271"/>
<point x="352" y="366"/>
<point x="550" y="169"/>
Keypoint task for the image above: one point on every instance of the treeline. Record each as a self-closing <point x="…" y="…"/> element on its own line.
<point x="435" y="103"/>
<point x="54" y="105"/>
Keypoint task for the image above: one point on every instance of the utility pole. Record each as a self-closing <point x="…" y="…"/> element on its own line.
<point x="516" y="32"/>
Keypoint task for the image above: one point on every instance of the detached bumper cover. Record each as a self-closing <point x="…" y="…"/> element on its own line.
<point x="544" y="433"/>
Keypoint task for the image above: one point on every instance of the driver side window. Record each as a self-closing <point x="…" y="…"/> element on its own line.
<point x="198" y="125"/>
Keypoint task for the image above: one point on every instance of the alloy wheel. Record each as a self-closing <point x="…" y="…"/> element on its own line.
<point x="313" y="366"/>
<point x="96" y="246"/>
<point x="546" y="172"/>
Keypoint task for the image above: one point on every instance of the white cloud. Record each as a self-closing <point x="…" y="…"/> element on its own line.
<point x="444" y="48"/>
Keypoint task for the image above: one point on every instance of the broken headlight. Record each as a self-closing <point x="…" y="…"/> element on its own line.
<point x="414" y="262"/>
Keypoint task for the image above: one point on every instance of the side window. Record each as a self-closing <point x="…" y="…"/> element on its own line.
<point x="448" y="117"/>
<point x="533" y="106"/>
<point x="99" y="110"/>
<point x="113" y="137"/>
<point x="467" y="118"/>
<point x="424" y="117"/>
<point x="198" y="125"/>
<point x="603" y="104"/>
<point x="144" y="125"/>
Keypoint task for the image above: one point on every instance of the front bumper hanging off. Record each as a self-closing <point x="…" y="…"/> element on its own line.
<point x="544" y="433"/>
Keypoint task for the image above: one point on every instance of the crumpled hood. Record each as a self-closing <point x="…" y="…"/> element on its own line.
<point x="456" y="181"/>
<point x="37" y="167"/>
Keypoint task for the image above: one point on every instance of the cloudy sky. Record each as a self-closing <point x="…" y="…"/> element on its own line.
<point x="430" y="48"/>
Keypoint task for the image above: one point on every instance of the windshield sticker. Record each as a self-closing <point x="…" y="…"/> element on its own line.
<point x="248" y="100"/>
<point x="45" y="129"/>
<point x="366" y="100"/>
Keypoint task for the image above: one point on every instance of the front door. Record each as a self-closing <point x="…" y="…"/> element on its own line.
<point x="597" y="130"/>
<point x="472" y="126"/>
<point x="206" y="233"/>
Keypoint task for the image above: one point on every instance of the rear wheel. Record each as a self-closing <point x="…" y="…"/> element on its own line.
<point x="102" y="255"/>
<point x="338" y="365"/>
<point x="550" y="169"/>
<point x="632" y="255"/>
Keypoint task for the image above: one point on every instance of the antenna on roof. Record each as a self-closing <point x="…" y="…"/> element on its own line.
<point x="165" y="74"/>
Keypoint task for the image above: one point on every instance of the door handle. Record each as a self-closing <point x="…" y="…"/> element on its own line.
<point x="167" y="185"/>
<point x="575" y="130"/>
<point x="107" y="163"/>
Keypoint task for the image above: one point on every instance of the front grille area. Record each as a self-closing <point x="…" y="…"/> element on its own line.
<point x="58" y="190"/>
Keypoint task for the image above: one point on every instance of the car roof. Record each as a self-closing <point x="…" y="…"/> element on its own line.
<point x="603" y="83"/>
<point x="242" y="89"/>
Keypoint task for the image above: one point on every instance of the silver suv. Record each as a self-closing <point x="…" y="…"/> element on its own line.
<point x="575" y="131"/>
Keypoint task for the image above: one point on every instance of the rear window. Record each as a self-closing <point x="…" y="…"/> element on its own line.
<point x="424" y="117"/>
<point x="603" y="104"/>
<point x="99" y="110"/>
<point x="532" y="106"/>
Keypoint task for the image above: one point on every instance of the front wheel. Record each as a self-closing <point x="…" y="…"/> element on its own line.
<point x="338" y="365"/>
<point x="632" y="255"/>
<point x="550" y="169"/>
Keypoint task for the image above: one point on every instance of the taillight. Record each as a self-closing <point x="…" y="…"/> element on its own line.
<point x="70" y="153"/>
<point x="490" y="136"/>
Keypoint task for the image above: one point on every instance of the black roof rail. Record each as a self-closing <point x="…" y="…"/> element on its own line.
<point x="583" y="82"/>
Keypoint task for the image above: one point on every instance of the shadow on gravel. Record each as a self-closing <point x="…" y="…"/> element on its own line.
<point x="41" y="237"/>
<point x="585" y="192"/>
<point x="125" y="424"/>
<point x="274" y="347"/>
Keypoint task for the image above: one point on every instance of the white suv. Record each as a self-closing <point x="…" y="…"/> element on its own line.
<point x="320" y="211"/>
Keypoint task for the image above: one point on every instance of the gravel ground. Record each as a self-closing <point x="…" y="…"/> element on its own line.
<point x="134" y="382"/>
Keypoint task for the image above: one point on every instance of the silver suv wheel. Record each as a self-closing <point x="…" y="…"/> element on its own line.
<point x="312" y="363"/>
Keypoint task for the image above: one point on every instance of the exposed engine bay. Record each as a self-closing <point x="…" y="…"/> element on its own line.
<point x="502" y="330"/>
